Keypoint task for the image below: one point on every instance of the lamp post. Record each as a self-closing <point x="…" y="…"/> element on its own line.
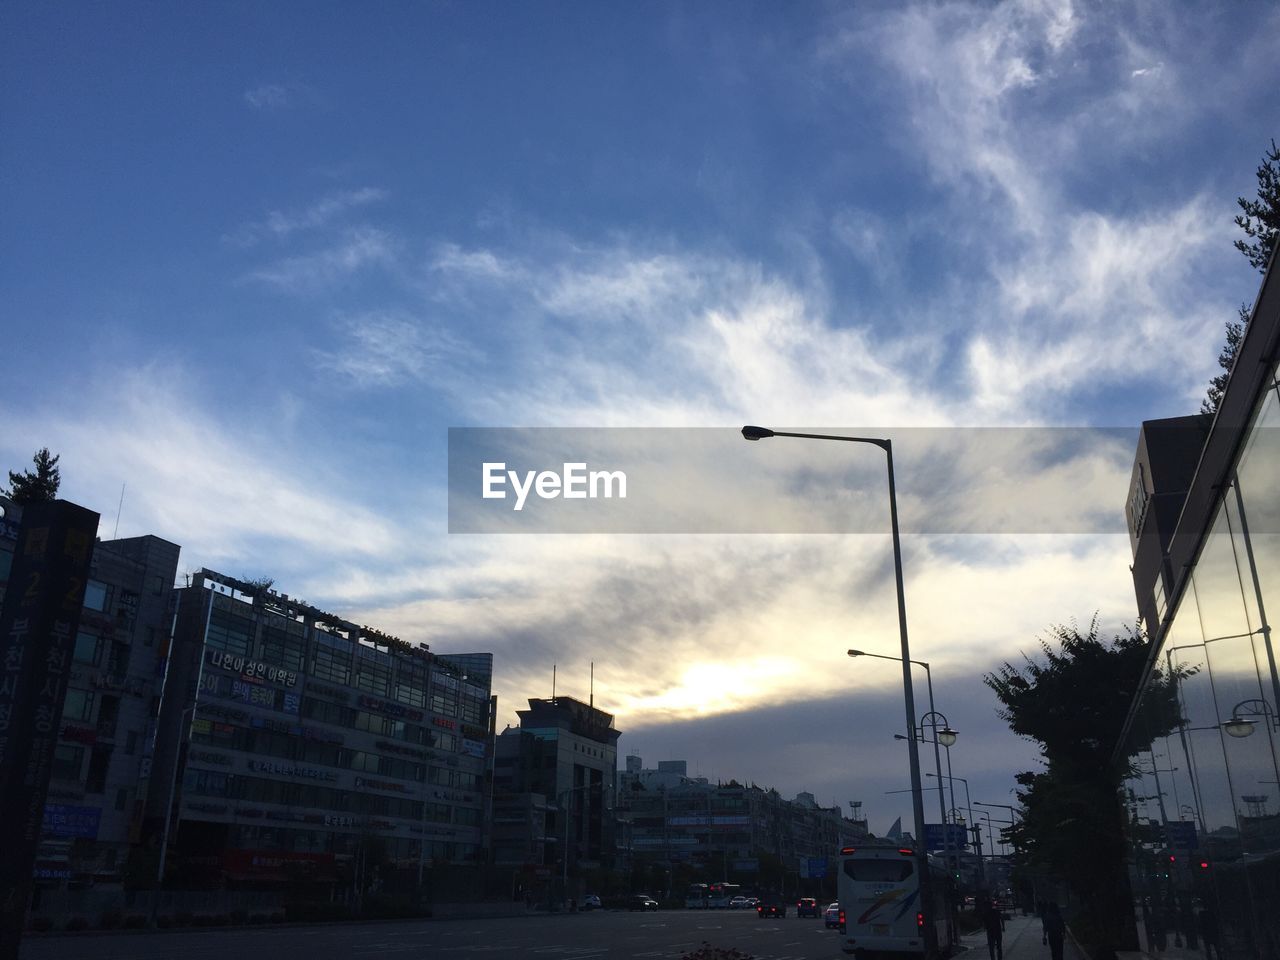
<point x="908" y="694"/>
<point x="970" y="822"/>
<point x="173" y="788"/>
<point x="946" y="737"/>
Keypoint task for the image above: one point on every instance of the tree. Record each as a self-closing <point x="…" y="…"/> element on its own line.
<point x="1074" y="704"/>
<point x="39" y="486"/>
<point x="1260" y="221"/>
<point x="1261" y="218"/>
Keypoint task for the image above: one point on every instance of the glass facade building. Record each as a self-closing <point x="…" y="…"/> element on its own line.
<point x="304" y="748"/>
<point x="1202" y="740"/>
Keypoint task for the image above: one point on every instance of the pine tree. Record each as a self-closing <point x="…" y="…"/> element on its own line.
<point x="38" y="486"/>
<point x="1261" y="223"/>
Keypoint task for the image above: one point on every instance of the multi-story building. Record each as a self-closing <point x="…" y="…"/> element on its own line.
<point x="300" y="747"/>
<point x="724" y="831"/>
<point x="1203" y="735"/>
<point x="554" y="790"/>
<point x="94" y="811"/>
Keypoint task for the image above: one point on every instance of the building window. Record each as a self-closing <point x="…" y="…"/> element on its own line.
<point x="78" y="705"/>
<point x="95" y="595"/>
<point x="122" y="799"/>
<point x="232" y="634"/>
<point x="88" y="648"/>
<point x="67" y="761"/>
<point x="331" y="665"/>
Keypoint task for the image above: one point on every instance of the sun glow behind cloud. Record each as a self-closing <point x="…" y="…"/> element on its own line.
<point x="908" y="215"/>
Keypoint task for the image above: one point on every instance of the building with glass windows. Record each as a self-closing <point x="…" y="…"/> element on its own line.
<point x="1202" y="739"/>
<point x="299" y="748"/>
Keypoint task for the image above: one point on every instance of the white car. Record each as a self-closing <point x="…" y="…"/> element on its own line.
<point x="591" y="902"/>
<point x="738" y="903"/>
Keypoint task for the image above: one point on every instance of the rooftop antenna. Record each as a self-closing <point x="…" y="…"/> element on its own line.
<point x="591" y="701"/>
<point x="119" y="507"/>
<point x="553" y="683"/>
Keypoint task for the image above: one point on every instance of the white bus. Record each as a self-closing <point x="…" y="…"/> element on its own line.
<point x="880" y="902"/>
<point x="696" y="898"/>
<point x="720" y="894"/>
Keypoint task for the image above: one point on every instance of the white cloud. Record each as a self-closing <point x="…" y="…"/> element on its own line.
<point x="384" y="349"/>
<point x="271" y="96"/>
<point x="323" y="269"/>
<point x="280" y="225"/>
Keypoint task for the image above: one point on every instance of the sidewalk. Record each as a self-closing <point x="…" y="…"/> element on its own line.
<point x="1021" y="942"/>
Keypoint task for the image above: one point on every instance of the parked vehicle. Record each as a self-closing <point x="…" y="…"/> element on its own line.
<point x="642" y="901"/>
<point x="807" y="907"/>
<point x="591" y="902"/>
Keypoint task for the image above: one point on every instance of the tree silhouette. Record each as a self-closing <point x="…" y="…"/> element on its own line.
<point x="36" y="486"/>
<point x="1074" y="703"/>
<point x="1260" y="220"/>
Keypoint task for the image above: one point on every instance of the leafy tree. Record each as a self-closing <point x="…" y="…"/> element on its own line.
<point x="36" y="486"/>
<point x="1260" y="221"/>
<point x="1074" y="703"/>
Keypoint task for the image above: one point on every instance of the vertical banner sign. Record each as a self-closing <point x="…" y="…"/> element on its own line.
<point x="38" y="626"/>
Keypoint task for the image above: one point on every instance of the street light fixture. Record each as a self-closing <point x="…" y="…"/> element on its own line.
<point x="917" y="797"/>
<point x="945" y="737"/>
<point x="1238" y="726"/>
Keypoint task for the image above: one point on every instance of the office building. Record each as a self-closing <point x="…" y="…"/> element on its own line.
<point x="301" y="749"/>
<point x="1202" y="736"/>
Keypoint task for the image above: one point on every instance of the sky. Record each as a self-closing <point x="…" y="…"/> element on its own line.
<point x="256" y="260"/>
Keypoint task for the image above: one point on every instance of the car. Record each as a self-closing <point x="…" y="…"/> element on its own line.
<point x="591" y="902"/>
<point x="831" y="917"/>
<point x="771" y="908"/>
<point x="737" y="903"/>
<point x="642" y="901"/>
<point x="752" y="901"/>
<point x="807" y="907"/>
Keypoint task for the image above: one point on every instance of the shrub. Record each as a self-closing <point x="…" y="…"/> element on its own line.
<point x="165" y="921"/>
<point x="183" y="918"/>
<point x="78" y="923"/>
<point x="218" y="920"/>
<point x="42" y="924"/>
<point x="316" y="911"/>
<point x="277" y="917"/>
<point x="257" y="918"/>
<point x="110" y="919"/>
<point x="707" y="952"/>
<point x="135" y="921"/>
<point x="239" y="916"/>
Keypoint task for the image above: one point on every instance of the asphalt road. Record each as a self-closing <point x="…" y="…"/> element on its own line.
<point x="600" y="935"/>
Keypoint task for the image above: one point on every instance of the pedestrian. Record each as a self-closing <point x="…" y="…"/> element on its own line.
<point x="1209" y="932"/>
<point x="993" y="922"/>
<point x="1055" y="930"/>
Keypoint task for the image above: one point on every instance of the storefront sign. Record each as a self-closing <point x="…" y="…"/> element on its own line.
<point x="396" y="710"/>
<point x="281" y="769"/>
<point x="252" y="669"/>
<point x="332" y="693"/>
<point x="362" y="783"/>
<point x="79" y="734"/>
<point x="206" y="756"/>
<point x="387" y="747"/>
<point x="472" y="748"/>
<point x="63" y="820"/>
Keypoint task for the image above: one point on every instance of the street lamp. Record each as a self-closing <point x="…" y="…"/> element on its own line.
<point x="946" y="737"/>
<point x="1239" y="727"/>
<point x="913" y="755"/>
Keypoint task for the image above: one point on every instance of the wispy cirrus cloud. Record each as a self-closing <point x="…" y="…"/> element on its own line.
<point x="391" y="348"/>
<point x="281" y="225"/>
<point x="358" y="249"/>
<point x="273" y="96"/>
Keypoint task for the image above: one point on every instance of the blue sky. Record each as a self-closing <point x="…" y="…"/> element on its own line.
<point x="257" y="259"/>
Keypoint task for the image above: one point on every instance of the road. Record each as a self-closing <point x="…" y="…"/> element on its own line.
<point x="600" y="935"/>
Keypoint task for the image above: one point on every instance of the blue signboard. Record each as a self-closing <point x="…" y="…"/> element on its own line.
<point x="1181" y="834"/>
<point x="956" y="838"/>
<point x="62" y="820"/>
<point x="813" y="868"/>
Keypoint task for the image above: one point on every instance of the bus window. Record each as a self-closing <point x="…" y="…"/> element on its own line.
<point x="878" y="871"/>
